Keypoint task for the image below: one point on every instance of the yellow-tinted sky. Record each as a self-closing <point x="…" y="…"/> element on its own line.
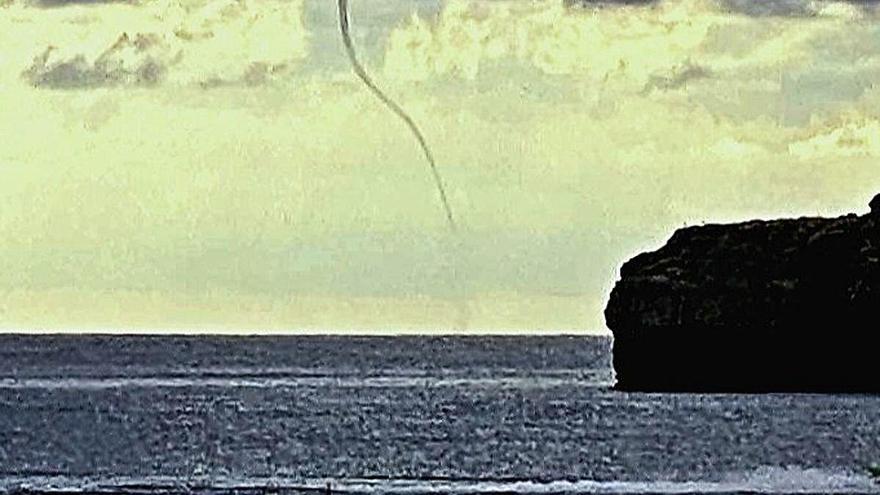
<point x="213" y="165"/>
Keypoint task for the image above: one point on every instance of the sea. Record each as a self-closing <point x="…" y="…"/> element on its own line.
<point x="399" y="415"/>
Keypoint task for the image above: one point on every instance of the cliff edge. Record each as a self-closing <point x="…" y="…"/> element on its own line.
<point x="760" y="306"/>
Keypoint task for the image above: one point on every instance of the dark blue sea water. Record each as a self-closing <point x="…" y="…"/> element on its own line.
<point x="400" y="415"/>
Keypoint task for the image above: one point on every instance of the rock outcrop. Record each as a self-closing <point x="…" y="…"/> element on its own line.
<point x="759" y="306"/>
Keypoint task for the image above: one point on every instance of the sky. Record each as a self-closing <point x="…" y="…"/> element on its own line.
<point x="215" y="166"/>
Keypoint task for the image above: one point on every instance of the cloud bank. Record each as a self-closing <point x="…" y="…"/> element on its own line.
<point x="624" y="44"/>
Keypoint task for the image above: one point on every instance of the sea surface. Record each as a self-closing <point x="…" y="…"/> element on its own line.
<point x="102" y="414"/>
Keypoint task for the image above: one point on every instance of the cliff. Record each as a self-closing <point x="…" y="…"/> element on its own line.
<point x="759" y="306"/>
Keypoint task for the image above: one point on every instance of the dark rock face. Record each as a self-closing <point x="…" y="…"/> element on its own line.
<point x="875" y="205"/>
<point x="760" y="306"/>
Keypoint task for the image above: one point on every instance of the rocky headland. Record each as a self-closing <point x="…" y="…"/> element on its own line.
<point x="760" y="306"/>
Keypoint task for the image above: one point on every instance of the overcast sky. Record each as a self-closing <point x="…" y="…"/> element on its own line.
<point x="214" y="164"/>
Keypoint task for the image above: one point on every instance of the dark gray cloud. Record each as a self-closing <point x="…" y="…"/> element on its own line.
<point x="109" y="69"/>
<point x="764" y="8"/>
<point x="677" y="78"/>
<point x="755" y="8"/>
<point x="78" y="73"/>
<point x="591" y="3"/>
<point x="787" y="8"/>
<point x="64" y="3"/>
<point x="142" y="60"/>
<point x="256" y="74"/>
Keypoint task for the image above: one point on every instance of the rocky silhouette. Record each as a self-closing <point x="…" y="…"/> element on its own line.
<point x="760" y="306"/>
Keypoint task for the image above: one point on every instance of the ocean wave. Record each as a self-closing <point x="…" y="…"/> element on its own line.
<point x="766" y="479"/>
<point x="317" y="378"/>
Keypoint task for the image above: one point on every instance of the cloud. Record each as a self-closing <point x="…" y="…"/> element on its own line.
<point x="754" y="8"/>
<point x="220" y="42"/>
<point x="797" y="8"/>
<point x="632" y="47"/>
<point x="846" y="136"/>
<point x="605" y="3"/>
<point x="677" y="78"/>
<point x="68" y="3"/>
<point x="628" y="43"/>
<point x="128" y="61"/>
<point x="768" y="7"/>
